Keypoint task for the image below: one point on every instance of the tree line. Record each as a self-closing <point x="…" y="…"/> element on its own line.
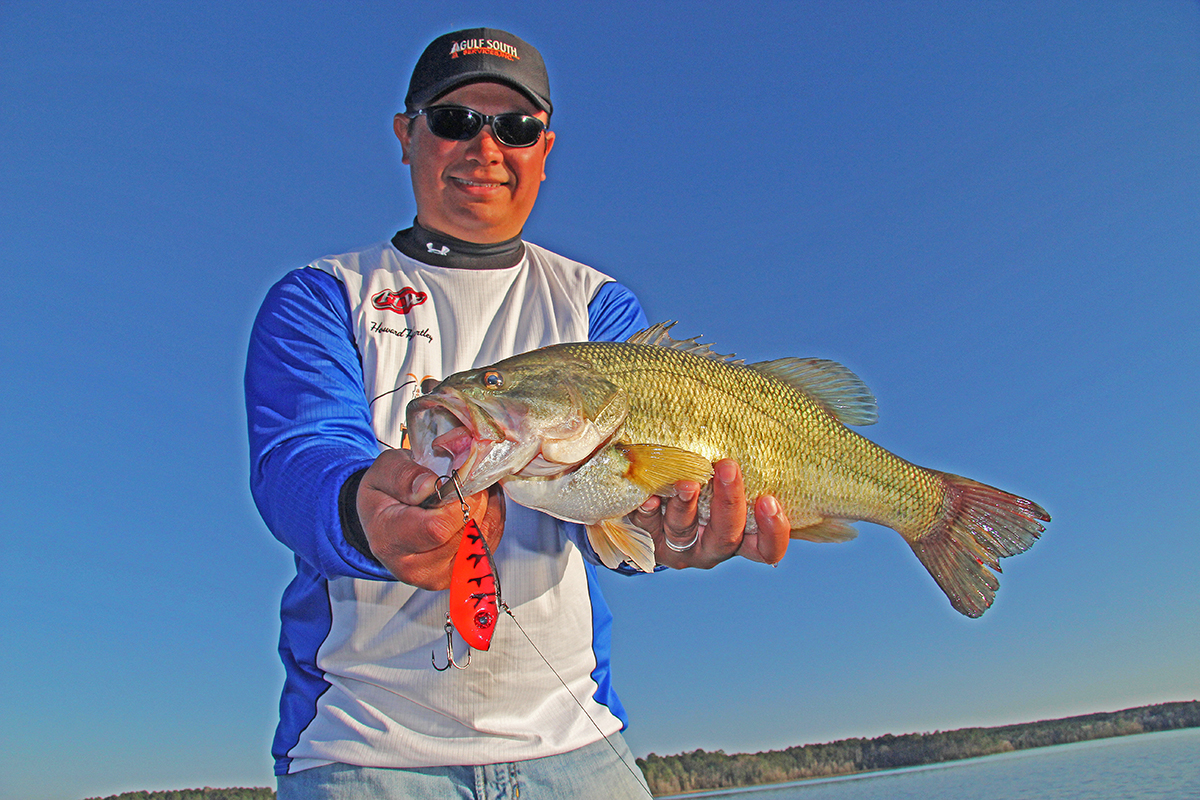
<point x="206" y="793"/>
<point x="700" y="770"/>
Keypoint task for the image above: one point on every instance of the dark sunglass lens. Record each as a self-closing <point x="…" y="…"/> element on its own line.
<point x="458" y="124"/>
<point x="517" y="130"/>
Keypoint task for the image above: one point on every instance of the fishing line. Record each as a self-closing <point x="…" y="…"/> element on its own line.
<point x="481" y="630"/>
<point x="617" y="753"/>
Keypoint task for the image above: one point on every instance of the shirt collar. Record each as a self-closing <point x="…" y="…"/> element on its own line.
<point x="440" y="250"/>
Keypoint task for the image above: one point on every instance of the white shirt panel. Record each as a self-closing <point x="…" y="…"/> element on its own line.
<point x="387" y="705"/>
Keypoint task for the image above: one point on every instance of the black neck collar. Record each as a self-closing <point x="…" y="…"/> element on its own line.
<point x="440" y="250"/>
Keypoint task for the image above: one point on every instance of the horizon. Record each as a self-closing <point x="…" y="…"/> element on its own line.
<point x="838" y="741"/>
<point x="967" y="728"/>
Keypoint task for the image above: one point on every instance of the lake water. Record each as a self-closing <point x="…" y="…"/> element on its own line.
<point x="1148" y="766"/>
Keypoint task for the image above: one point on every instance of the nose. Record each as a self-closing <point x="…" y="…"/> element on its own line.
<point x="484" y="148"/>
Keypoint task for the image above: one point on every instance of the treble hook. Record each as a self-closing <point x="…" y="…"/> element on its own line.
<point x="450" y="662"/>
<point x="452" y="478"/>
<point x="442" y="493"/>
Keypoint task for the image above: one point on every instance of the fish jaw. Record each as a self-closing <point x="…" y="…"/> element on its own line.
<point x="448" y="433"/>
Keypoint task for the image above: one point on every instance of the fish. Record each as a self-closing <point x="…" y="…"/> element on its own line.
<point x="587" y="431"/>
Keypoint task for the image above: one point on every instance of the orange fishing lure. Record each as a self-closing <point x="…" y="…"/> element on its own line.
<point x="474" y="589"/>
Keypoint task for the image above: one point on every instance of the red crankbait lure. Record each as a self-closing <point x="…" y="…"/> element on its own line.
<point x="474" y="590"/>
<point x="475" y="603"/>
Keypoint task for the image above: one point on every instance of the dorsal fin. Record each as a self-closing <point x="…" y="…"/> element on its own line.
<point x="658" y="335"/>
<point x="835" y="387"/>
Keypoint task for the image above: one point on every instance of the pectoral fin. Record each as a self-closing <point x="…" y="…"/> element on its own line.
<point x="616" y="540"/>
<point x="656" y="468"/>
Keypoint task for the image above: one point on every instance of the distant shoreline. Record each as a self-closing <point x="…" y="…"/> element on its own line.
<point x="700" y="771"/>
<point x="900" y="771"/>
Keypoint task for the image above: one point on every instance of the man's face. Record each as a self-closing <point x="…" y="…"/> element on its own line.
<point x="479" y="190"/>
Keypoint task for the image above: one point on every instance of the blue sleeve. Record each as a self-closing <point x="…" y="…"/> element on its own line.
<point x="614" y="314"/>
<point x="310" y="427"/>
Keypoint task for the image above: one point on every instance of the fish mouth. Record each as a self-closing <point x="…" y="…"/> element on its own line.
<point x="449" y="434"/>
<point x="443" y="433"/>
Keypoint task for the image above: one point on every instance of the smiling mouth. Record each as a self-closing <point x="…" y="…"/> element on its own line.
<point x="480" y="184"/>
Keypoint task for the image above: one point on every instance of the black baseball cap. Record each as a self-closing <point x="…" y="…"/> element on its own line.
<point x="478" y="54"/>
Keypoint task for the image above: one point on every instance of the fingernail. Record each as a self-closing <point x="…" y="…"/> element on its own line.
<point x="651" y="504"/>
<point x="420" y="485"/>
<point x="686" y="492"/>
<point x="725" y="471"/>
<point x="770" y="506"/>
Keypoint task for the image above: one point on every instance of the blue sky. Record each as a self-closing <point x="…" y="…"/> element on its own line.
<point x="988" y="210"/>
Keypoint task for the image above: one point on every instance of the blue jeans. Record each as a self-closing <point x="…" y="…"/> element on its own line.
<point x="594" y="771"/>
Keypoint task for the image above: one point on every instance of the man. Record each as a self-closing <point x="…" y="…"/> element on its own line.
<point x="337" y="351"/>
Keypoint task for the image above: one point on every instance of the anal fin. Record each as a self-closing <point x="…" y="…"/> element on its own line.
<point x="827" y="531"/>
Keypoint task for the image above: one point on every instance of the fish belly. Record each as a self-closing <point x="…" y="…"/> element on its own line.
<point x="596" y="490"/>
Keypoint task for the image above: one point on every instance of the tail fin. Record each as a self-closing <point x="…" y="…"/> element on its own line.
<point x="981" y="525"/>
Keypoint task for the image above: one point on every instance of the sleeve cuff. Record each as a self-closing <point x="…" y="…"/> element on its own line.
<point x="352" y="527"/>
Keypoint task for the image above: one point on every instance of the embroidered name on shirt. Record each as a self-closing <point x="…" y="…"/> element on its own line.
<point x="401" y="302"/>
<point x="403" y="333"/>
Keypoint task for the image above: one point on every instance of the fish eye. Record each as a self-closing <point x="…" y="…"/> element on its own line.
<point x="493" y="379"/>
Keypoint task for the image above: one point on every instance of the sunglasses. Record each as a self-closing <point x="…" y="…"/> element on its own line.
<point x="461" y="124"/>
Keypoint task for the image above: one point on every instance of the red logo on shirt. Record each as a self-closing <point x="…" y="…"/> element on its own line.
<point x="401" y="302"/>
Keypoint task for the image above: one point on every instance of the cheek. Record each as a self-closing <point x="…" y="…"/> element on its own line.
<point x="428" y="179"/>
<point x="531" y="171"/>
<point x="427" y="158"/>
<point x="423" y="175"/>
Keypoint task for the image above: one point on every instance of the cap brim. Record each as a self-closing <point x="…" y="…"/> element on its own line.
<point x="436" y="90"/>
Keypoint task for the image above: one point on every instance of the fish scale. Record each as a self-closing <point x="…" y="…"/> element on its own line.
<point x="787" y="444"/>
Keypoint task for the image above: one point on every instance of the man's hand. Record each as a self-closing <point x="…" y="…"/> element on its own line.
<point x="723" y="537"/>
<point x="417" y="544"/>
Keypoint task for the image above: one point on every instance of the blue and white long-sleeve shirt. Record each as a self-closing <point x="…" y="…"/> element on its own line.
<point x="337" y="351"/>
